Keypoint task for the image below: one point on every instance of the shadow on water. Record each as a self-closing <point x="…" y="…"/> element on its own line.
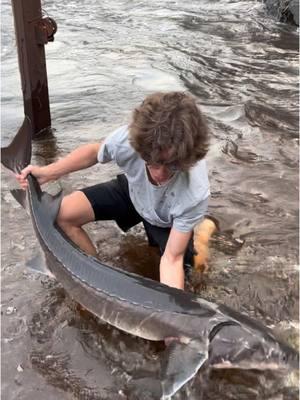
<point x="46" y="149"/>
<point x="243" y="69"/>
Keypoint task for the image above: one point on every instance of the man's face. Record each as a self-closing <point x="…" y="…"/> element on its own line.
<point x="159" y="173"/>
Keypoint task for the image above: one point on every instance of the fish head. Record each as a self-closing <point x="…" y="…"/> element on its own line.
<point x="236" y="346"/>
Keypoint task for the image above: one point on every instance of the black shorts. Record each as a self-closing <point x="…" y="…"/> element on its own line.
<point x="111" y="201"/>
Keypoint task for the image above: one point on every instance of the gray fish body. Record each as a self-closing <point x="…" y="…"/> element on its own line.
<point x="137" y="305"/>
<point x="207" y="334"/>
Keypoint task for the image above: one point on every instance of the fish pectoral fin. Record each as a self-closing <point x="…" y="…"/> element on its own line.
<point x="180" y="363"/>
<point x="37" y="264"/>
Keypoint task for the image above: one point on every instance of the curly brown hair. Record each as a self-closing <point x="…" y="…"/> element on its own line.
<point x="169" y="123"/>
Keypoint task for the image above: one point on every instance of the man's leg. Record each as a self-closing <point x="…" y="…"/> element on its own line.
<point x="76" y="211"/>
<point x="105" y="201"/>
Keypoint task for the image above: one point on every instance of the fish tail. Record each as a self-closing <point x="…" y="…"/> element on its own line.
<point x="17" y="155"/>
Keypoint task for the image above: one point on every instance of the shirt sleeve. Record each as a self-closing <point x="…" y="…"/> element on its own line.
<point x="110" y="147"/>
<point x="191" y="217"/>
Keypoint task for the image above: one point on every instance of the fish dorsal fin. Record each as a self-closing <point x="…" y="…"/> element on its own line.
<point x="17" y="155"/>
<point x="51" y="204"/>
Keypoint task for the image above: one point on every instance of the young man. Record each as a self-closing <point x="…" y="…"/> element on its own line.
<point x="164" y="182"/>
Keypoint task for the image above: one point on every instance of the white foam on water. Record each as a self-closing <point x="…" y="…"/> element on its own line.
<point x="155" y="80"/>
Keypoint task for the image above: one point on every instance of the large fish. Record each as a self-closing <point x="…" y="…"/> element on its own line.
<point x="205" y="335"/>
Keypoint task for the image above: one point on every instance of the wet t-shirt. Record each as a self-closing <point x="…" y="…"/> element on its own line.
<point x="180" y="203"/>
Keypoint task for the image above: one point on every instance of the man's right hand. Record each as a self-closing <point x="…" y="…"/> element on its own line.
<point x="83" y="157"/>
<point x="40" y="173"/>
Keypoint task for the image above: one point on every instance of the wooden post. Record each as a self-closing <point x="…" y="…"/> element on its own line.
<point x="32" y="33"/>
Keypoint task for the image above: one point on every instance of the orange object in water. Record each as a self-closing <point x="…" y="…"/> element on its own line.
<point x="202" y="235"/>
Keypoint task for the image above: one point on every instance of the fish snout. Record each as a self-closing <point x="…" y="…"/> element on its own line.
<point x="288" y="357"/>
<point x="292" y="360"/>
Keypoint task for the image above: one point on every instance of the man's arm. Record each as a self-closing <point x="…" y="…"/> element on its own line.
<point x="81" y="158"/>
<point x="171" y="263"/>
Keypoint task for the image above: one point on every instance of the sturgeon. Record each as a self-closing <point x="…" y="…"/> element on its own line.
<point x="205" y="335"/>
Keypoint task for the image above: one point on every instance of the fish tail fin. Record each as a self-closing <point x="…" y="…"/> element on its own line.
<point x="17" y="155"/>
<point x="21" y="197"/>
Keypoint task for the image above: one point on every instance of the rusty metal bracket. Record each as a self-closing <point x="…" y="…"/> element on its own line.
<point x="45" y="29"/>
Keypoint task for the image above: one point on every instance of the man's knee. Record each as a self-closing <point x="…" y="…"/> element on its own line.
<point x="75" y="211"/>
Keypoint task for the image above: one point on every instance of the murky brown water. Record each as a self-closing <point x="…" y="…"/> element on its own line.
<point x="106" y="57"/>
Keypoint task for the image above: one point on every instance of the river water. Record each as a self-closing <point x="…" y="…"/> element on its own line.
<point x="243" y="69"/>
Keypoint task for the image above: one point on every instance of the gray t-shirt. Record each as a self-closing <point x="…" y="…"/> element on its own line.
<point x="180" y="203"/>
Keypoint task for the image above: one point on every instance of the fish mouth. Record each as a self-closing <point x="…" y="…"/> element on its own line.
<point x="248" y="366"/>
<point x="259" y="366"/>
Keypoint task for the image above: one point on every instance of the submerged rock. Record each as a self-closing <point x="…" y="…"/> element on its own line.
<point x="284" y="10"/>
